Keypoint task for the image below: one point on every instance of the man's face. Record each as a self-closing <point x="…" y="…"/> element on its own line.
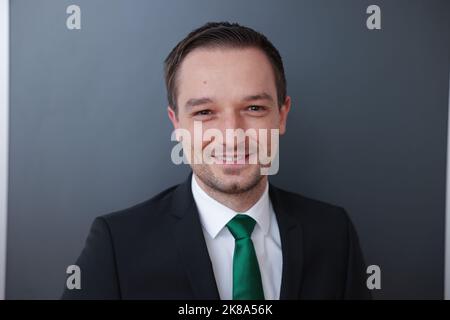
<point x="228" y="89"/>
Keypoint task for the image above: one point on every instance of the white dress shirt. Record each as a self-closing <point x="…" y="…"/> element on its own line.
<point x="220" y="242"/>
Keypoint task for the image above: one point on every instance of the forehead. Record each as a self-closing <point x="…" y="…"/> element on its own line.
<point x="225" y="73"/>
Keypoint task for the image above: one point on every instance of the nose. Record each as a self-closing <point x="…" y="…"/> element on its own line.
<point x="232" y="119"/>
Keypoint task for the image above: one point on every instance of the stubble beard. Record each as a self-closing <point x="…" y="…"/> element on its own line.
<point x="211" y="180"/>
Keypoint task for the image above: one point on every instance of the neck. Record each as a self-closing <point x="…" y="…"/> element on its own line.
<point x="239" y="202"/>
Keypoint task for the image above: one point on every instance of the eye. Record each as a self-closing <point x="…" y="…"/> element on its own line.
<point x="202" y="113"/>
<point x="255" y="108"/>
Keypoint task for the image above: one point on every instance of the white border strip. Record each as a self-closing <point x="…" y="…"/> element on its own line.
<point x="4" y="136"/>
<point x="447" y="209"/>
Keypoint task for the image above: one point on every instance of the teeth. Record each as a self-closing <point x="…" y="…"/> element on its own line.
<point x="230" y="158"/>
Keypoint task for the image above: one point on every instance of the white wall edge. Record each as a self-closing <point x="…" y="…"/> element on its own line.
<point x="447" y="209"/>
<point x="4" y="136"/>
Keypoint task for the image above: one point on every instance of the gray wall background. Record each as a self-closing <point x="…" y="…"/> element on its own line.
<point x="367" y="131"/>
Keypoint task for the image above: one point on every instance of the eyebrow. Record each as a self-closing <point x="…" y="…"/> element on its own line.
<point x="204" y="100"/>
<point x="260" y="96"/>
<point x="197" y="101"/>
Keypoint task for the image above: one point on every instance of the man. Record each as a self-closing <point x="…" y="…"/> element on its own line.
<point x="225" y="233"/>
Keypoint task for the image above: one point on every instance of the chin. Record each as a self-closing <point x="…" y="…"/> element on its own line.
<point x="238" y="178"/>
<point x="238" y="175"/>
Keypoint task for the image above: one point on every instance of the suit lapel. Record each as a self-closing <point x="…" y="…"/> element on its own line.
<point x="192" y="249"/>
<point x="189" y="239"/>
<point x="291" y="246"/>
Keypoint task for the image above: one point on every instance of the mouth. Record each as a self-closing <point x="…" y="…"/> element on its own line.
<point x="233" y="160"/>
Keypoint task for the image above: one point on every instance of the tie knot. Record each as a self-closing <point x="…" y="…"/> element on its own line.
<point x="241" y="226"/>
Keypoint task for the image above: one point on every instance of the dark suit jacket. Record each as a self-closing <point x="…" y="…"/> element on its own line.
<point x="156" y="250"/>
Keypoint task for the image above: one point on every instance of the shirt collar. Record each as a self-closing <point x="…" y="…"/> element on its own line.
<point x="214" y="216"/>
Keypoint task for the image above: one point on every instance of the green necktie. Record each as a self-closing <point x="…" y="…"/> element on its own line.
<point x="247" y="283"/>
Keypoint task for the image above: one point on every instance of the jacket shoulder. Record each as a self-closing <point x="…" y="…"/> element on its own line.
<point x="153" y="209"/>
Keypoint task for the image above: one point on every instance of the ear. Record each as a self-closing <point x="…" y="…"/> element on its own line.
<point x="284" y="110"/>
<point x="173" y="117"/>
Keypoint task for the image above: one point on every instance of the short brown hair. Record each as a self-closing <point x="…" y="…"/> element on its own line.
<point x="222" y="34"/>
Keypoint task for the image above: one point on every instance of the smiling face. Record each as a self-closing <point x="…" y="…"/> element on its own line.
<point x="228" y="88"/>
